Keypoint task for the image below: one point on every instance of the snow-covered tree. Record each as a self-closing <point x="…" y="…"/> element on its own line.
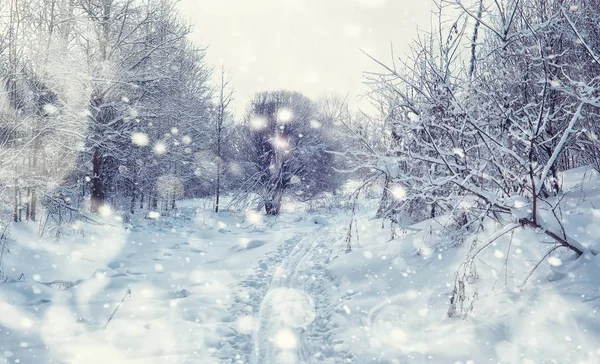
<point x="286" y="149"/>
<point x="485" y="132"/>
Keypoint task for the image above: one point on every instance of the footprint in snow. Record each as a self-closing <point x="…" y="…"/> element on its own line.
<point x="182" y="293"/>
<point x="114" y="264"/>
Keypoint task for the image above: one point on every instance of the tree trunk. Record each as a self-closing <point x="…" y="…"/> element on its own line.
<point x="218" y="183"/>
<point x="33" y="202"/>
<point x="154" y="201"/>
<point x="385" y="199"/>
<point x="16" y="205"/>
<point x="273" y="207"/>
<point x="132" y="205"/>
<point x="133" y="191"/>
<point x="97" y="192"/>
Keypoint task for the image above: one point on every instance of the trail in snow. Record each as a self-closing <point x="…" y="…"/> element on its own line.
<point x="282" y="312"/>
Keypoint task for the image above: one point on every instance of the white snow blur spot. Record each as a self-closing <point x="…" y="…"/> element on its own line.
<point x="158" y="267"/>
<point x="466" y="205"/>
<point x="174" y="131"/>
<point x="498" y="254"/>
<point x="26" y="323"/>
<point x="459" y="152"/>
<point x="253" y="217"/>
<point x="280" y="143"/>
<point x="50" y="109"/>
<point x="285" y="339"/>
<point x="235" y="169"/>
<point x="246" y="324"/>
<point x="140" y="139"/>
<point x="347" y="309"/>
<point x="296" y="308"/>
<point x="258" y="123"/>
<point x="423" y="312"/>
<point x="397" y="335"/>
<point x="315" y="124"/>
<point x="519" y="202"/>
<point x="284" y="115"/>
<point x="105" y="210"/>
<point x="555" y="83"/>
<point x="554" y="261"/>
<point x="186" y="139"/>
<point x="367" y="254"/>
<point x="153" y="215"/>
<point x="132" y="113"/>
<point x="398" y="192"/>
<point x="160" y="148"/>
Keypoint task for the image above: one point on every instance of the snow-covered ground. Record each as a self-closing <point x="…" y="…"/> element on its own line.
<point x="227" y="288"/>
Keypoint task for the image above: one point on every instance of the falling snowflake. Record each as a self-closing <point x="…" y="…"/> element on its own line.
<point x="50" y="109"/>
<point x="253" y="217"/>
<point x="105" y="210"/>
<point x="258" y="123"/>
<point x="153" y="215"/>
<point x="140" y="139"/>
<point x="284" y="115"/>
<point x="459" y="152"/>
<point x="398" y="191"/>
<point x="554" y="261"/>
<point x="285" y="339"/>
<point x="160" y="148"/>
<point x="280" y="143"/>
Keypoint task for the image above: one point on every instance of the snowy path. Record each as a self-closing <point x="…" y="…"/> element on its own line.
<point x="204" y="288"/>
<point x="186" y="274"/>
<point x="281" y="313"/>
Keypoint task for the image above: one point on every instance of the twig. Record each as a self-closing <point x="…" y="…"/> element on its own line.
<point x="540" y="262"/>
<point x="571" y="245"/>
<point x="127" y="294"/>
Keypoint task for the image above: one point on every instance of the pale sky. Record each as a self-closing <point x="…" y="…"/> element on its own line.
<point x="311" y="46"/>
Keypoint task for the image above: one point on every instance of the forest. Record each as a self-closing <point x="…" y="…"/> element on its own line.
<point x="464" y="190"/>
